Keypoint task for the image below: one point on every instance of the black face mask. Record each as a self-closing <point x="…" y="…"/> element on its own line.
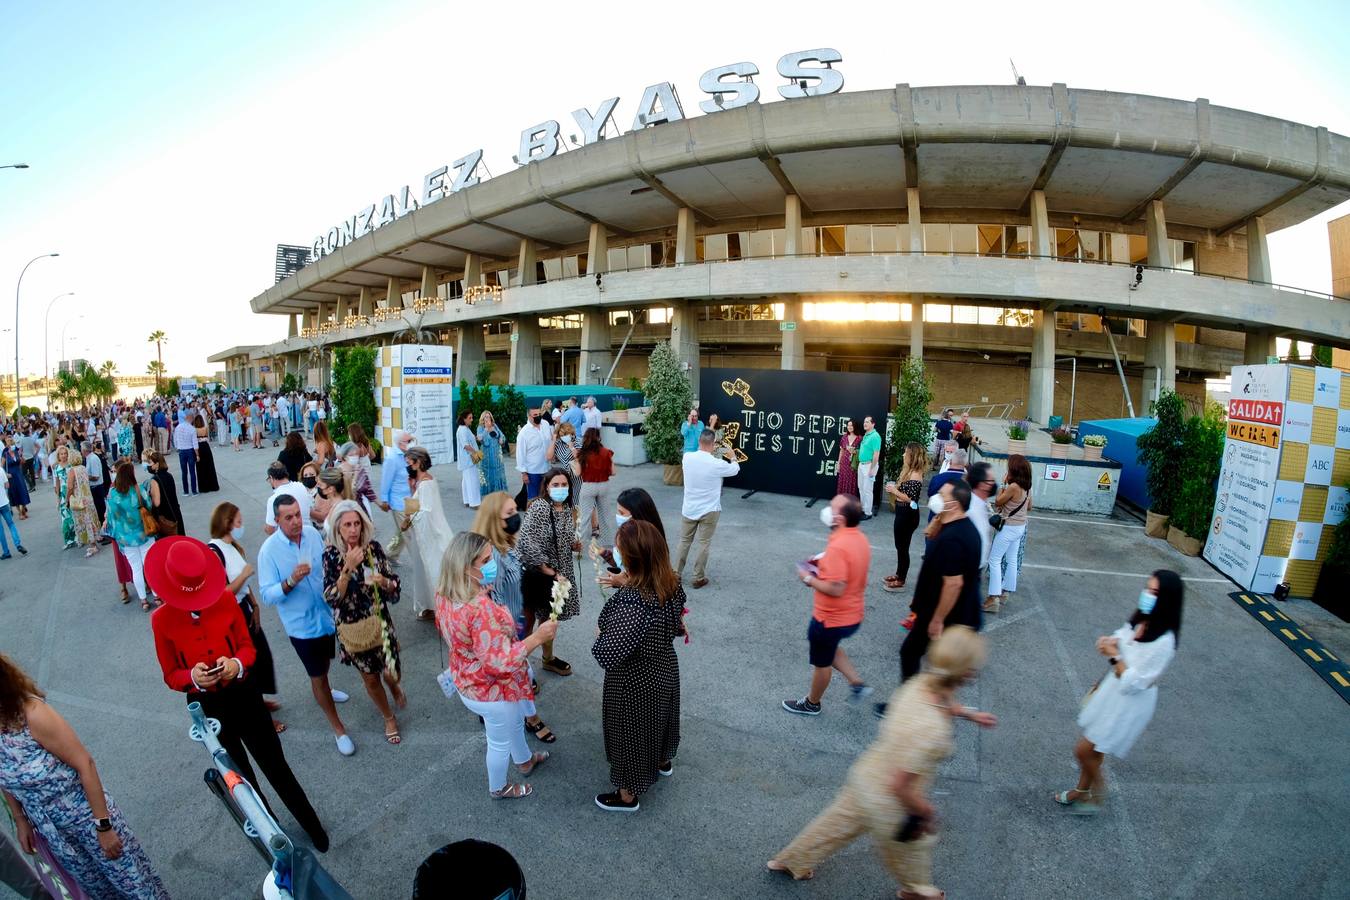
<point x="309" y="481"/>
<point x="534" y="419"/>
<point x="412" y="471"/>
<point x="512" y="523"/>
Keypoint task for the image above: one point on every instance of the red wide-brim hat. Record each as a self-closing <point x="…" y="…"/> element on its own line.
<point x="184" y="573"/>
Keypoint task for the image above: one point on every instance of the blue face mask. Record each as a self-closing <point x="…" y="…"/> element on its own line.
<point x="1147" y="601"/>
<point x="618" y="558"/>
<point x="557" y="494"/>
<point x="489" y="570"/>
<point x="620" y="519"/>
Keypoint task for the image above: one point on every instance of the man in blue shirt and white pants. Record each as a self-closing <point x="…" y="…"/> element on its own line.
<point x="394" y="490"/>
<point x="290" y="573"/>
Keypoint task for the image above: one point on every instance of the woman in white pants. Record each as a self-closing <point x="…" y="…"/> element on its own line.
<point x="1013" y="503"/>
<point x="597" y="467"/>
<point x="466" y="449"/>
<point x="487" y="663"/>
<point x="123" y="523"/>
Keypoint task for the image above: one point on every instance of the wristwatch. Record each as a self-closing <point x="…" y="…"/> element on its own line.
<point x="1113" y="660"/>
<point x="103" y="824"/>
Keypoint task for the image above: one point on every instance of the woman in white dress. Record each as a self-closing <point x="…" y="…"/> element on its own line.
<point x="1121" y="704"/>
<point x="430" y="532"/>
<point x="466" y="449"/>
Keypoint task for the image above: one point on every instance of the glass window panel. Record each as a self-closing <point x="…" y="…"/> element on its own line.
<point x="639" y="256"/>
<point x="906" y="312"/>
<point x="989" y="315"/>
<point x="1018" y="318"/>
<point x="1138" y="249"/>
<point x="808" y="242"/>
<point x="937" y="312"/>
<point x="831" y="241"/>
<point x="553" y="269"/>
<point x="580" y="264"/>
<point x="886" y="238"/>
<point x="776" y="238"/>
<point x="840" y="311"/>
<point x="735" y="241"/>
<point x="1066" y="244"/>
<point x="777" y="311"/>
<point x="965" y="239"/>
<point x="965" y="315"/>
<point x="858" y="239"/>
<point x="760" y="244"/>
<point x="659" y="315"/>
<point x="618" y="259"/>
<point x="1119" y="245"/>
<point x="902" y="237"/>
<point x="991" y="240"/>
<point x="937" y="239"/>
<point x="1090" y="245"/>
<point x="1186" y="333"/>
<point x="1017" y="240"/>
<point x="715" y="246"/>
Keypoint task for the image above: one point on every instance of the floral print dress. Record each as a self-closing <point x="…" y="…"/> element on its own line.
<point x="67" y="521"/>
<point x="359" y="602"/>
<point x="55" y="803"/>
<point x="487" y="663"/>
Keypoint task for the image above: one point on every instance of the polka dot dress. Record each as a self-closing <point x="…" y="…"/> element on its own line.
<point x="641" y="713"/>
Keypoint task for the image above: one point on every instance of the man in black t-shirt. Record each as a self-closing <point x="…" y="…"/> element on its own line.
<point x="943" y="428"/>
<point x="948" y="592"/>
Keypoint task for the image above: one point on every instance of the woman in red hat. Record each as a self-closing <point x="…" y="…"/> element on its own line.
<point x="204" y="649"/>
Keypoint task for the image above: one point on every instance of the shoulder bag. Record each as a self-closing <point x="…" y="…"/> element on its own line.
<point x="148" y="523"/>
<point x="997" y="521"/>
<point x="366" y="633"/>
<point x="536" y="588"/>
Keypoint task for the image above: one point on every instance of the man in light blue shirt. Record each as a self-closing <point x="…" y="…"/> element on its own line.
<point x="691" y="429"/>
<point x="394" y="490"/>
<point x="576" y="417"/>
<point x="290" y="573"/>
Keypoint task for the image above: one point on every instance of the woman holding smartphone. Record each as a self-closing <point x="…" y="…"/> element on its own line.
<point x="906" y="494"/>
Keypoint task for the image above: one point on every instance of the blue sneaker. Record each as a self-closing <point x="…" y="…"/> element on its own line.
<point x="859" y="691"/>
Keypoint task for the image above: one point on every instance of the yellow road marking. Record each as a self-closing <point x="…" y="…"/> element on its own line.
<point x="1281" y="615"/>
<point x="1328" y="653"/>
<point x="1265" y="615"/>
<point x="1339" y="678"/>
<point x="1287" y="633"/>
<point x="1305" y="634"/>
<point x="1314" y="656"/>
<point x="1245" y="599"/>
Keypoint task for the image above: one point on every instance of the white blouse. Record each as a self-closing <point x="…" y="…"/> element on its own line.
<point x="1121" y="707"/>
<point x="234" y="564"/>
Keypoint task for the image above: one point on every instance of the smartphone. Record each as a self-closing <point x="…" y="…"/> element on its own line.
<point x="613" y="570"/>
<point x="215" y="670"/>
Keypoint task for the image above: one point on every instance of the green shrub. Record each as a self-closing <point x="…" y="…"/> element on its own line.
<point x="1062" y="435"/>
<point x="910" y="421"/>
<point x="353" y="390"/>
<point x="1017" y="431"/>
<point x="1094" y="440"/>
<point x="668" y="392"/>
<point x="1201" y="458"/>
<point x="508" y="410"/>
<point x="1160" y="452"/>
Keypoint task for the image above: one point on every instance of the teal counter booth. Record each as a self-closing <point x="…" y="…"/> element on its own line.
<point x="1121" y="435"/>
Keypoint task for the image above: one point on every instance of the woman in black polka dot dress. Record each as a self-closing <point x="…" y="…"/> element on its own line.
<point x="641" y="714"/>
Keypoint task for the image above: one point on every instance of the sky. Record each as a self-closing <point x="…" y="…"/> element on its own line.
<point x="173" y="145"/>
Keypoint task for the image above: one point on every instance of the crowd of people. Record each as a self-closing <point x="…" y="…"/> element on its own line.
<point x="498" y="594"/>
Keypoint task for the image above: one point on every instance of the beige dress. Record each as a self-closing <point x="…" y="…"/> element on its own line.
<point x="915" y="737"/>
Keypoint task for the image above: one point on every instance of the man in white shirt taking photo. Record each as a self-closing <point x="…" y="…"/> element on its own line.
<point x="703" y="475"/>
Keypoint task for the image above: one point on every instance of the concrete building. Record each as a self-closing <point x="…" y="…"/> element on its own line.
<point x="241" y="372"/>
<point x="998" y="232"/>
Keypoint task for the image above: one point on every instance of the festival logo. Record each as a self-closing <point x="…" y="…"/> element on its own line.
<point x="739" y="388"/>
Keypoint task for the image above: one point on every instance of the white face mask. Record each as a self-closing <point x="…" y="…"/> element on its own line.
<point x="353" y="458"/>
<point x="237" y="533"/>
<point x="936" y="505"/>
<point x="827" y="516"/>
<point x="620" y="519"/>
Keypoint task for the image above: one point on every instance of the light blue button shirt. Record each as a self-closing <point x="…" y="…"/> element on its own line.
<point x="304" y="614"/>
<point x="394" y="478"/>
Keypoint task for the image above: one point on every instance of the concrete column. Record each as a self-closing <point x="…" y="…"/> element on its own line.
<point x="469" y="350"/>
<point x="365" y="303"/>
<point x="684" y="339"/>
<point x="1257" y="346"/>
<point x="792" y="228"/>
<point x="1155" y="228"/>
<point x="1258" y="251"/>
<point x="292" y="328"/>
<point x="527" y="364"/>
<point x="326" y="312"/>
<point x="527" y="266"/>
<point x="916" y="326"/>
<point x="597" y="250"/>
<point x="473" y="270"/>
<point x="1042" y="238"/>
<point x="1160" y="358"/>
<point x="794" y="345"/>
<point x="686" y="248"/>
<point x="342" y="308"/>
<point x="428" y="281"/>
<point x="393" y="293"/>
<point x="915" y="221"/>
<point x="308" y="318"/>
<point x="1041" y="392"/>
<point x="597" y="346"/>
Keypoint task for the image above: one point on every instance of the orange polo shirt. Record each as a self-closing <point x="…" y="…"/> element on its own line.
<point x="846" y="558"/>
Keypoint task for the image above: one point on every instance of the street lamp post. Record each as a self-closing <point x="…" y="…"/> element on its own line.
<point x="18" y="391"/>
<point x="46" y="359"/>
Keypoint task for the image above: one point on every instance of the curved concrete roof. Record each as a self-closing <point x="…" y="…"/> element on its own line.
<point x="974" y="152"/>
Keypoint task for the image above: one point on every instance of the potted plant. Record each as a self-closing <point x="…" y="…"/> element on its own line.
<point x="1159" y="450"/>
<point x="1201" y="458"/>
<point x="1093" y="445"/>
<point x="1060" y="439"/>
<point x="1017" y="437"/>
<point x="668" y="393"/>
<point x="620" y="409"/>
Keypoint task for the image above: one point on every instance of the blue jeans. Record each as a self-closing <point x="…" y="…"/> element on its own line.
<point x="532" y="485"/>
<point x="187" y="462"/>
<point x="8" y="515"/>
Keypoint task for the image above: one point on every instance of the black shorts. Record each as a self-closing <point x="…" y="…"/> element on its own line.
<point x="824" y="641"/>
<point x="315" y="653"/>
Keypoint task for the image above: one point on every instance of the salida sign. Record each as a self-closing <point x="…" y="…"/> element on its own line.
<point x="786" y="425"/>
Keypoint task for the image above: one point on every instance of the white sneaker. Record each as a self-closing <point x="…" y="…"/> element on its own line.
<point x="345" y="745"/>
<point x="339" y="696"/>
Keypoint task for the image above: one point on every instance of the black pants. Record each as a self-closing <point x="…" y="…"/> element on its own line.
<point x="245" y="722"/>
<point x="906" y="520"/>
<point x="914" y="647"/>
<point x="29" y="474"/>
<point x="100" y="495"/>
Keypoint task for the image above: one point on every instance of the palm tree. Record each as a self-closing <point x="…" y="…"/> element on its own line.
<point x="158" y="338"/>
<point x="108" y="367"/>
<point x="155" y="368"/>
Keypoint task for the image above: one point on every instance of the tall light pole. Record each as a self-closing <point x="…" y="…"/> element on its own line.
<point x="18" y="391"/>
<point x="46" y="359"/>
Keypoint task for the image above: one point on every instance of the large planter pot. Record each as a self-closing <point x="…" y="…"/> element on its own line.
<point x="619" y="415"/>
<point x="673" y="475"/>
<point x="1059" y="451"/>
<point x="1016" y="446"/>
<point x="1091" y="453"/>
<point x="1155" y="525"/>
<point x="1183" y="541"/>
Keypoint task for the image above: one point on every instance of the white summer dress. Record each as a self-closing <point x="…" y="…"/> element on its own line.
<point x="1119" y="710"/>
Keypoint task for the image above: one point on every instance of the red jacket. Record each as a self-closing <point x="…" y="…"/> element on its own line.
<point x="183" y="639"/>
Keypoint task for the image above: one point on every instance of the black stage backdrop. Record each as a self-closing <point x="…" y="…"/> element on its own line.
<point x="786" y="424"/>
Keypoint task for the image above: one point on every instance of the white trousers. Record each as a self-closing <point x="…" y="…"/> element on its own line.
<point x="470" y="487"/>
<point x="136" y="557"/>
<point x="595" y="497"/>
<point x="504" y="722"/>
<point x="866" y="486"/>
<point x="1003" y="552"/>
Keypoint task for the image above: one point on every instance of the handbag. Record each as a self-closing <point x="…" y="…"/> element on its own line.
<point x="366" y="633"/>
<point x="536" y="588"/>
<point x="148" y="523"/>
<point x="997" y="521"/>
<point x="476" y="456"/>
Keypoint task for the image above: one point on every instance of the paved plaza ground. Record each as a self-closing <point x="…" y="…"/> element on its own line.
<point x="1239" y="788"/>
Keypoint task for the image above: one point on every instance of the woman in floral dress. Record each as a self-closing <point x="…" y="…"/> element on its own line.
<point x="493" y="443"/>
<point x="847" y="482"/>
<point x="54" y="793"/>
<point x="126" y="438"/>
<point x="61" y="484"/>
<point x="80" y="503"/>
<point x="359" y="583"/>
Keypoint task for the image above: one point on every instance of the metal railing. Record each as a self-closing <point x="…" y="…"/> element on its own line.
<point x="1004" y="409"/>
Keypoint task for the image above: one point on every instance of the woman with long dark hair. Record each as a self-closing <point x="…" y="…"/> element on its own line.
<point x="636" y="503"/>
<point x="207" y="480"/>
<point x="846" y="481"/>
<point x="597" y="468"/>
<point x="906" y="495"/>
<point x="547" y="541"/>
<point x="1014" y="504"/>
<point x="1121" y="704"/>
<point x="294" y="454"/>
<point x="163" y="490"/>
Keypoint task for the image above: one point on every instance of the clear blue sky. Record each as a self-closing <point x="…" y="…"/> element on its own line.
<point x="174" y="144"/>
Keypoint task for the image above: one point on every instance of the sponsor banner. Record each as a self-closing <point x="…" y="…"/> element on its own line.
<point x="1253" y="433"/>
<point x="1306" y="537"/>
<point x="1327" y="387"/>
<point x="1298" y="418"/>
<point x="1264" y="411"/>
<point x="421" y="389"/>
<point x="1269" y="572"/>
<point x="1261" y="383"/>
<point x="1287" y="501"/>
<point x="1338" y="499"/>
<point x="1320" y="459"/>
<point x="1343" y="429"/>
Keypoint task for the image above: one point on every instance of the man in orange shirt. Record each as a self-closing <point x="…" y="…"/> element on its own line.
<point x="838" y="576"/>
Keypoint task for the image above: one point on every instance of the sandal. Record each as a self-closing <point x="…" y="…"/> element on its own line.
<point x="558" y="666"/>
<point x="278" y="726"/>
<point x="541" y="732"/>
<point x="393" y="737"/>
<point x="1084" y="805"/>
<point x="909" y="621"/>
<point x="126" y="595"/>
<point x="512" y="791"/>
<point x="145" y="605"/>
<point x="535" y="762"/>
<point x="992" y="605"/>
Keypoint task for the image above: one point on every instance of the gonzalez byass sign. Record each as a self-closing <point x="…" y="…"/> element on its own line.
<point x="809" y="73"/>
